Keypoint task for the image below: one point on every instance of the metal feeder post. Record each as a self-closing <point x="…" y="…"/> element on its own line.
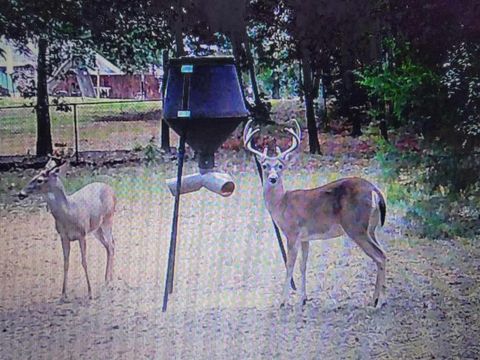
<point x="173" y="238"/>
<point x="203" y="105"/>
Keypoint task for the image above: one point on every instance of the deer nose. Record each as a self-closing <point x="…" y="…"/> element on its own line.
<point x="272" y="180"/>
<point x="22" y="195"/>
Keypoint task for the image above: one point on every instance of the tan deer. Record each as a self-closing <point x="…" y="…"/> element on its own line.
<point x="349" y="206"/>
<point x="89" y="210"/>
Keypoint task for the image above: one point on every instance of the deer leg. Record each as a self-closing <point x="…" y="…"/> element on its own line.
<point x="303" y="269"/>
<point x="83" y="251"/>
<point x="374" y="251"/>
<point x="66" y="257"/>
<point x="380" y="284"/>
<point x="105" y="237"/>
<point x="373" y="223"/>
<point x="107" y="232"/>
<point x="291" y="258"/>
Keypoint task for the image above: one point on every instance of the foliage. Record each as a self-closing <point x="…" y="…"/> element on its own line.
<point x="129" y="33"/>
<point x="151" y="151"/>
<point x="426" y="75"/>
<point x="409" y="86"/>
<point x="433" y="187"/>
<point x="461" y="78"/>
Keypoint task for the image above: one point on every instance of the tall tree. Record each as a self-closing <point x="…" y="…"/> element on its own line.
<point x="45" y="24"/>
<point x="206" y="19"/>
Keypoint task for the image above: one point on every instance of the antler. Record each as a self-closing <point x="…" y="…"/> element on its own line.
<point x="248" y="133"/>
<point x="297" y="135"/>
<point x="54" y="162"/>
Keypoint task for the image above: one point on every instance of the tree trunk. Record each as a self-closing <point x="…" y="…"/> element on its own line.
<point x="355" y="118"/>
<point x="180" y="50"/>
<point x="322" y="99"/>
<point x="383" y="130"/>
<point x="237" y="55"/>
<point x="251" y="70"/>
<point x="300" y="82"/>
<point x="385" y="120"/>
<point x="44" y="135"/>
<point x="261" y="110"/>
<point x="275" y="86"/>
<point x="309" y="106"/>
<point x="165" y="139"/>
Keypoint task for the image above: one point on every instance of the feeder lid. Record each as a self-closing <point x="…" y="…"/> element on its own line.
<point x="204" y="60"/>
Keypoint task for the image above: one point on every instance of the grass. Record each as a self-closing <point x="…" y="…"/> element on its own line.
<point x="23" y="120"/>
<point x="228" y="279"/>
<point x="18" y="126"/>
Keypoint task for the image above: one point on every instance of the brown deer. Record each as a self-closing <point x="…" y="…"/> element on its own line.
<point x="349" y="206"/>
<point x="89" y="210"/>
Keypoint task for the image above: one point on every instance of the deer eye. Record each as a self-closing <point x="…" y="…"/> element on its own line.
<point x="39" y="181"/>
<point x="264" y="167"/>
<point x="280" y="166"/>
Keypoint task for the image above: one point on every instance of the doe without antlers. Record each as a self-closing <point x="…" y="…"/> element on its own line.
<point x="89" y="210"/>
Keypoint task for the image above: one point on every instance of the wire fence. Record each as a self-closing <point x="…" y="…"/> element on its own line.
<point x="82" y="126"/>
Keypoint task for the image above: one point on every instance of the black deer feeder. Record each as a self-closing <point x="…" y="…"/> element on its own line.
<point x="203" y="105"/>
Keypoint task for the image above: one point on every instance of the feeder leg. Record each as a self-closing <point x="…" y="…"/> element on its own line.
<point x="173" y="238"/>
<point x="275" y="227"/>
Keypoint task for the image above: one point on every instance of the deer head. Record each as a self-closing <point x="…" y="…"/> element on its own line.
<point x="46" y="179"/>
<point x="272" y="166"/>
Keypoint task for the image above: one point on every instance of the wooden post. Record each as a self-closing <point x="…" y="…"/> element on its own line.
<point x="75" y="124"/>
<point x="98" y="83"/>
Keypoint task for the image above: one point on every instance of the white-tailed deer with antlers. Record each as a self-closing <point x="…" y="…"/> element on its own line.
<point x="351" y="206"/>
<point x="88" y="210"/>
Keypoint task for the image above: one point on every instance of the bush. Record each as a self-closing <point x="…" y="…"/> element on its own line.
<point x="151" y="151"/>
<point x="461" y="79"/>
<point x="434" y="188"/>
<point x="411" y="88"/>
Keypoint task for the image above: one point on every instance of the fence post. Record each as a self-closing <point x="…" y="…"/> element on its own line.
<point x="75" y="125"/>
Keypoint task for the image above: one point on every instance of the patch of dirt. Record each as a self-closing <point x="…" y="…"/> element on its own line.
<point x="228" y="280"/>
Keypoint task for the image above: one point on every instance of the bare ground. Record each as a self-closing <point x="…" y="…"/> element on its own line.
<point x="227" y="284"/>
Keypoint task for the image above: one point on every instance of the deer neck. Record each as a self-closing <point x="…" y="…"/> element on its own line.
<point x="57" y="200"/>
<point x="273" y="195"/>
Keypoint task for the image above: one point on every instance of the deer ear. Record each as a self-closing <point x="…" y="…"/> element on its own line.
<point x="54" y="172"/>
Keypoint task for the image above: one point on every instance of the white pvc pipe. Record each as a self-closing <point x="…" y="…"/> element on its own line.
<point x="190" y="183"/>
<point x="219" y="183"/>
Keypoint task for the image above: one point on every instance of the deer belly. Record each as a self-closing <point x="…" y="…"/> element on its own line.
<point x="70" y="231"/>
<point x="324" y="233"/>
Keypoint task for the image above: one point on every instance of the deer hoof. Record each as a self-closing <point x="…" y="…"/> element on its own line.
<point x="378" y="303"/>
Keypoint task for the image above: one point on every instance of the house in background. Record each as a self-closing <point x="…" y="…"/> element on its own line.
<point x="104" y="79"/>
<point x="17" y="69"/>
<point x="75" y="77"/>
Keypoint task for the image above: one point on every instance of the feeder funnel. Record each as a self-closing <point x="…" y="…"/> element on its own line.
<point x="204" y="103"/>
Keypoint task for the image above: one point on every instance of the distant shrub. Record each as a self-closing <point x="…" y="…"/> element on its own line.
<point x="151" y="151"/>
<point x="438" y="190"/>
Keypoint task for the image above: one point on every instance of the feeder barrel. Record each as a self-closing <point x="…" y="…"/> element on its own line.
<point x="204" y="101"/>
